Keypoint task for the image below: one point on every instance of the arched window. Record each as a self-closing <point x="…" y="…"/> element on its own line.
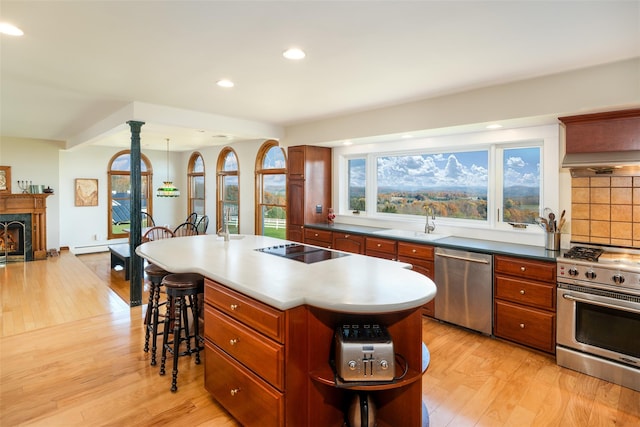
<point x="271" y="191"/>
<point x="119" y="173"/>
<point x="228" y="190"/>
<point x="195" y="177"/>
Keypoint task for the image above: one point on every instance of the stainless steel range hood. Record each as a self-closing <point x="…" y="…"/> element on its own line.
<point x="602" y="160"/>
<point x="593" y="164"/>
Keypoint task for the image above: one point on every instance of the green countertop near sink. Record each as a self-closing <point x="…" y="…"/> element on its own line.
<point x="477" y="245"/>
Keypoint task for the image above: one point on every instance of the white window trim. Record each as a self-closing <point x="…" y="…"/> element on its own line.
<point x="492" y="229"/>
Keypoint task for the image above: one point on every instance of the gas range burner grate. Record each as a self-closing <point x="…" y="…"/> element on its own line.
<point x="584" y="253"/>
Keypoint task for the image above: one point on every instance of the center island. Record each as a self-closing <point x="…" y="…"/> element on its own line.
<point x="270" y="320"/>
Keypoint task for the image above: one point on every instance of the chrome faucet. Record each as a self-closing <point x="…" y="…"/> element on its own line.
<point x="429" y="228"/>
<point x="224" y="231"/>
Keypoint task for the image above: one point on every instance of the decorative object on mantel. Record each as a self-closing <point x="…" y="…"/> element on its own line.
<point x="167" y="189"/>
<point x="5" y="179"/>
<point x="48" y="190"/>
<point x="86" y="192"/>
<point x="24" y="186"/>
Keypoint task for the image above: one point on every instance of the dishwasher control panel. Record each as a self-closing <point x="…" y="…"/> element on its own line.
<point x="364" y="352"/>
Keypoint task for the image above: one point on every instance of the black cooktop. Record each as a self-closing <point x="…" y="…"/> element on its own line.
<point x="302" y="253"/>
<point x="584" y="253"/>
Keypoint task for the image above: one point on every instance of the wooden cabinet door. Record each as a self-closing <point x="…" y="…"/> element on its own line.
<point x="295" y="208"/>
<point x="296" y="162"/>
<point x="348" y="243"/>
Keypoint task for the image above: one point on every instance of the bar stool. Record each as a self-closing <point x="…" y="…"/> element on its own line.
<point x="182" y="293"/>
<point x="155" y="275"/>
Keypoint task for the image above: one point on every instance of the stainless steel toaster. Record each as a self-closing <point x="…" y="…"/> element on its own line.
<point x="364" y="352"/>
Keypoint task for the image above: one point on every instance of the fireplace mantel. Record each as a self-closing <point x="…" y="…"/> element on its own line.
<point x="36" y="206"/>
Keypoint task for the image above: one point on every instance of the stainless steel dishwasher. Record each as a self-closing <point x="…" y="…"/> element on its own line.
<point x="465" y="288"/>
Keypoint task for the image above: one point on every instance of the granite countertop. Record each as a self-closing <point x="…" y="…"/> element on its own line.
<point x="462" y="243"/>
<point x="352" y="283"/>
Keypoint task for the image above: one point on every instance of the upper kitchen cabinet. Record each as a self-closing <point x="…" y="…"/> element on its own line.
<point x="308" y="188"/>
<point x="612" y="131"/>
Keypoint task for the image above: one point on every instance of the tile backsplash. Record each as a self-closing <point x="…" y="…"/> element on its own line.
<point x="606" y="210"/>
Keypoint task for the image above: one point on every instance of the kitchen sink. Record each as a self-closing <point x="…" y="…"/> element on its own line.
<point x="408" y="234"/>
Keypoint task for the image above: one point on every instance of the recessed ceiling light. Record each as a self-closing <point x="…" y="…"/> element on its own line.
<point x="494" y="126"/>
<point x="347" y="142"/>
<point x="294" y="53"/>
<point x="225" y="83"/>
<point x="10" y="30"/>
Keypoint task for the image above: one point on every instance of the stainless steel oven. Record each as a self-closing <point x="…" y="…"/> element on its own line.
<point x="598" y="309"/>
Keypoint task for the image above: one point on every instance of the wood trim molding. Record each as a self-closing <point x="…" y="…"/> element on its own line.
<point x="36" y="206"/>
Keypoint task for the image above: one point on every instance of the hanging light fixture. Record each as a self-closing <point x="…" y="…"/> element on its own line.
<point x="167" y="189"/>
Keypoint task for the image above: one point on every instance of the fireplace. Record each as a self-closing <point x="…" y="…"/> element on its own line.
<point x="15" y="238"/>
<point x="23" y="225"/>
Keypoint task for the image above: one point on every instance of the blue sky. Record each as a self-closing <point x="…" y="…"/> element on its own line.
<point x="466" y="169"/>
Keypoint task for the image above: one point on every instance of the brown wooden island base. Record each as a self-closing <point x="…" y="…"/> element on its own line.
<point x="269" y="367"/>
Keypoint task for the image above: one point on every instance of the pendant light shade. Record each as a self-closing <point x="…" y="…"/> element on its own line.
<point x="167" y="189"/>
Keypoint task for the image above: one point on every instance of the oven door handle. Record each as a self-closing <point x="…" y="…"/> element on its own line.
<point x="602" y="304"/>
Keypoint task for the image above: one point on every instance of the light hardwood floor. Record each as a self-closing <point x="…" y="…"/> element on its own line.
<point x="71" y="354"/>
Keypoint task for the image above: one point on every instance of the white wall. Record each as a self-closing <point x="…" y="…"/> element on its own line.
<point x="36" y="160"/>
<point x="609" y="86"/>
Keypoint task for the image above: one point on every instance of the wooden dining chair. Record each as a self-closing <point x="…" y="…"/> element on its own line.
<point x="185" y="229"/>
<point x="202" y="224"/>
<point x="157" y="233"/>
<point x="192" y="218"/>
<point x="147" y="220"/>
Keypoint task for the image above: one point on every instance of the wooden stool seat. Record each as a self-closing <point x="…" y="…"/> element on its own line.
<point x="182" y="293"/>
<point x="155" y="275"/>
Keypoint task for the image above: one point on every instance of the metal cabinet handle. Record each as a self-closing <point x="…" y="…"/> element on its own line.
<point x="521" y="325"/>
<point x="523" y="268"/>
<point x="233" y="341"/>
<point x="462" y="258"/>
<point x="602" y="304"/>
<point x="235" y="391"/>
<point x="522" y="292"/>
<point x="379" y="245"/>
<point x="234" y="307"/>
<point x="414" y="251"/>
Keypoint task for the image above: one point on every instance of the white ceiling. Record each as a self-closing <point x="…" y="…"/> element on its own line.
<point x="80" y="62"/>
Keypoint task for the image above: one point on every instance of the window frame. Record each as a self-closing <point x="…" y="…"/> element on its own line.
<point x="110" y="173"/>
<point x="547" y="137"/>
<point x="260" y="173"/>
<point x="192" y="174"/>
<point x="221" y="174"/>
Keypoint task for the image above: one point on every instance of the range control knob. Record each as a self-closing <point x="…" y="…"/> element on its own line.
<point x="573" y="271"/>
<point x="590" y="274"/>
<point x="384" y="364"/>
<point x="618" y="279"/>
<point x="352" y="365"/>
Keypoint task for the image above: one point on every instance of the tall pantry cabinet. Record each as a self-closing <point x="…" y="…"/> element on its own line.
<point x="308" y="188"/>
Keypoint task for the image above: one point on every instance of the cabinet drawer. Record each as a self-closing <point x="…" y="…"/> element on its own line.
<point x="414" y="250"/>
<point x="249" y="399"/>
<point x="253" y="313"/>
<point x="542" y="295"/>
<point x="381" y="245"/>
<point x="528" y="326"/>
<point x="258" y="353"/>
<point x="525" y="268"/>
<point x="315" y="234"/>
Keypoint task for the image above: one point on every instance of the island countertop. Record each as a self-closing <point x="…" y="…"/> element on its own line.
<point x="353" y="283"/>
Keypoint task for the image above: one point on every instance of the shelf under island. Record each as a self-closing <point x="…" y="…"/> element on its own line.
<point x="270" y="320"/>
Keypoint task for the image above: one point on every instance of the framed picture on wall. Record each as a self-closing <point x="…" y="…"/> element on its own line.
<point x="5" y="179"/>
<point x="86" y="192"/>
